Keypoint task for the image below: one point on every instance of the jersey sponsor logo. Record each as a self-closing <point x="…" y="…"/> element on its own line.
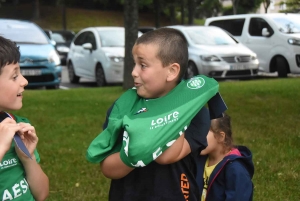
<point x="185" y="186"/>
<point x="141" y="111"/>
<point x="196" y="83"/>
<point x="15" y="191"/>
<point x="162" y="121"/>
<point x="8" y="163"/>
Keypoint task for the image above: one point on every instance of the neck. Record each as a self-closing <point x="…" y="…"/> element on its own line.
<point x="217" y="156"/>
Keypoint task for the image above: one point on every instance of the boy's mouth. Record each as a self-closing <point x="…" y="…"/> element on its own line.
<point x="19" y="95"/>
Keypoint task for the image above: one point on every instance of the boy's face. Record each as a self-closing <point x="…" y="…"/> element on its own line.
<point x="149" y="75"/>
<point x="12" y="85"/>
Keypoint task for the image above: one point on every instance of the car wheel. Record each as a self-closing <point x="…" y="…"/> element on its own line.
<point x="52" y="87"/>
<point x="282" y="67"/>
<point x="100" y="77"/>
<point x="72" y="76"/>
<point x="191" y="70"/>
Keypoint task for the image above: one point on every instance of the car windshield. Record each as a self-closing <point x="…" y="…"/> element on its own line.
<point x="112" y="38"/>
<point x="288" y="23"/>
<point x="209" y="36"/>
<point x="58" y="38"/>
<point x="23" y="33"/>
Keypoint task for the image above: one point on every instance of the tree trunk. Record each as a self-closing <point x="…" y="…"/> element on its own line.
<point x="191" y="7"/>
<point x="64" y="16"/>
<point x="131" y="18"/>
<point x="36" y="9"/>
<point x="172" y="14"/>
<point x="156" y="4"/>
<point x="182" y="11"/>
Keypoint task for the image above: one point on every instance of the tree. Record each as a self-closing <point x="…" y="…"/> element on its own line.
<point x="191" y="11"/>
<point x="131" y="18"/>
<point x="292" y="5"/>
<point x="36" y="9"/>
<point x="235" y="4"/>
<point x="266" y="4"/>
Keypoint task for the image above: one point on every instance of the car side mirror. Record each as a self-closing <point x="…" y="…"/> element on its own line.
<point x="87" y="46"/>
<point x="265" y="32"/>
<point x="53" y="42"/>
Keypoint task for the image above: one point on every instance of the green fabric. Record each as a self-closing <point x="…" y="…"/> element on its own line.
<point x="151" y="126"/>
<point x="13" y="184"/>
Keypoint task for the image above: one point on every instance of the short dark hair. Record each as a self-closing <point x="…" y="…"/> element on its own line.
<point x="9" y="52"/>
<point x="223" y="124"/>
<point x="172" y="45"/>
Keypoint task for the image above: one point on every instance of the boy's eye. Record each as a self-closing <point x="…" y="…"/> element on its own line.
<point x="15" y="77"/>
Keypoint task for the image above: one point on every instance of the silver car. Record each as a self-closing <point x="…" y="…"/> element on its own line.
<point x="215" y="53"/>
<point x="97" y="53"/>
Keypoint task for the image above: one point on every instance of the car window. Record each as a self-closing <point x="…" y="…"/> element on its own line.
<point x="112" y="38"/>
<point x="58" y="38"/>
<point x="90" y="38"/>
<point x="233" y="26"/>
<point x="23" y="32"/>
<point x="287" y="23"/>
<point x="80" y="39"/>
<point x="256" y="25"/>
<point x="209" y="36"/>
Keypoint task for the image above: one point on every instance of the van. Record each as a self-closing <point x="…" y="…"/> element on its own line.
<point x="274" y="37"/>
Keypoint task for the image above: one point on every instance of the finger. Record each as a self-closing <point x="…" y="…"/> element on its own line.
<point x="8" y="120"/>
<point x="27" y="129"/>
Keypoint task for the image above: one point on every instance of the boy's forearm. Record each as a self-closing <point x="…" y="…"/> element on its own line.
<point x="37" y="179"/>
<point x="176" y="152"/>
<point x="113" y="167"/>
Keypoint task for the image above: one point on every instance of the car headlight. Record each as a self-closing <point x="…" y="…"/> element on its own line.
<point x="63" y="49"/>
<point x="253" y="57"/>
<point x="54" y="58"/>
<point x="294" y="41"/>
<point x="210" y="58"/>
<point x="114" y="58"/>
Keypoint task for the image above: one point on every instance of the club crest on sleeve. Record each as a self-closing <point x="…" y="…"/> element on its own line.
<point x="196" y="83"/>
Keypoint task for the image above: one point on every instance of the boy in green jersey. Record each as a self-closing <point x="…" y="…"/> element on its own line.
<point x="22" y="178"/>
<point x="161" y="58"/>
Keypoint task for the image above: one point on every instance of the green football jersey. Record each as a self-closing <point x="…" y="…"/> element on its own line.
<point x="151" y="126"/>
<point x="13" y="183"/>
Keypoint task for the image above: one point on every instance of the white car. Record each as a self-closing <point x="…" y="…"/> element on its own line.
<point x="274" y="37"/>
<point x="97" y="53"/>
<point x="215" y="53"/>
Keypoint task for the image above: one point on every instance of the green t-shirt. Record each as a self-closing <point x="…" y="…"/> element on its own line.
<point x="151" y="126"/>
<point x="13" y="183"/>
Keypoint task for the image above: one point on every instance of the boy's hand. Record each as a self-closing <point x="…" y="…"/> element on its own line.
<point x="8" y="128"/>
<point x="29" y="137"/>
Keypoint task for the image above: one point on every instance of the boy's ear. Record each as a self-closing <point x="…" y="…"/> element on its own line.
<point x="173" y="71"/>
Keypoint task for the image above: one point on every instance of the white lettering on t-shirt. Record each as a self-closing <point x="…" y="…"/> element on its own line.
<point x="18" y="189"/>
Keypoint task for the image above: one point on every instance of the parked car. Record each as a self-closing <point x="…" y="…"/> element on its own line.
<point x="39" y="62"/>
<point x="215" y="53"/>
<point x="61" y="39"/>
<point x="146" y="29"/>
<point x="97" y="53"/>
<point x="274" y="37"/>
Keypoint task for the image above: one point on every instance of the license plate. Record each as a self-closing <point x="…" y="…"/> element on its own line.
<point x="238" y="67"/>
<point x="31" y="72"/>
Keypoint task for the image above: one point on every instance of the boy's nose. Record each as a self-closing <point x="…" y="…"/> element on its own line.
<point x="134" y="72"/>
<point x="24" y="81"/>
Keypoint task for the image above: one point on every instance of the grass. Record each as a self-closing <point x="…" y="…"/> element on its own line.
<point x="265" y="117"/>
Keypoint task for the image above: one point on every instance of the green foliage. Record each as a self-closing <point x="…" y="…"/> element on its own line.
<point x="265" y="117"/>
<point x="292" y="6"/>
